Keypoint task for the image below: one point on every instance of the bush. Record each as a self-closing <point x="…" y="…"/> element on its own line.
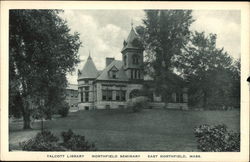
<point x="216" y="139"/>
<point x="75" y="142"/>
<point x="67" y="135"/>
<point x="63" y="110"/>
<point x="137" y="104"/>
<point x="46" y="141"/>
<point x="43" y="141"/>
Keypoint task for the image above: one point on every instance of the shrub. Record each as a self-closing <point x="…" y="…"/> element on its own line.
<point x="216" y="138"/>
<point x="75" y="142"/>
<point x="46" y="141"/>
<point x="67" y="135"/>
<point x="137" y="104"/>
<point x="63" y="110"/>
<point x="43" y="141"/>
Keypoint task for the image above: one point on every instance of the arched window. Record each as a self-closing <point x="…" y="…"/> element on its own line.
<point x="125" y="60"/>
<point x="139" y="74"/>
<point x="135" y="59"/>
<point x="134" y="93"/>
<point x="135" y="74"/>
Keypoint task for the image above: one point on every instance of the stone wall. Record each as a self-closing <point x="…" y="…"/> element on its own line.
<point x="96" y="101"/>
<point x="110" y="105"/>
<point x="100" y="104"/>
<point x="90" y="103"/>
<point x="132" y="87"/>
<point x="181" y="106"/>
<point x="157" y="105"/>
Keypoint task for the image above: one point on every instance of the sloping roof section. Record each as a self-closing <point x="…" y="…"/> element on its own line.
<point x="121" y="75"/>
<point x="130" y="42"/>
<point x="99" y="72"/>
<point x="173" y="79"/>
<point x="89" y="70"/>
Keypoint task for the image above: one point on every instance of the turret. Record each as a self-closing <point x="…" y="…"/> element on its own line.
<point x="132" y="56"/>
<point x="86" y="76"/>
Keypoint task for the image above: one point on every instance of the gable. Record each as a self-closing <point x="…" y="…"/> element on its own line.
<point x="116" y="66"/>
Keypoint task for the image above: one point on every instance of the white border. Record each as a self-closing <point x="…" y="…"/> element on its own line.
<point x="245" y="35"/>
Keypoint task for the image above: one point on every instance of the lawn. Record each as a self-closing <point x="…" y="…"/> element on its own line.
<point x="119" y="130"/>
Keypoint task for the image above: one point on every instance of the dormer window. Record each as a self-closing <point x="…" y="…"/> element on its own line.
<point x="113" y="72"/>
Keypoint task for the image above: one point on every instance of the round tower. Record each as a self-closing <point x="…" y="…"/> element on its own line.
<point x="85" y="85"/>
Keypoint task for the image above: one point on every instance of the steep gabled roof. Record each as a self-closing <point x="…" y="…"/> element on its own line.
<point x="173" y="79"/>
<point x="132" y="35"/>
<point x="129" y="43"/>
<point x="89" y="70"/>
<point x="121" y="75"/>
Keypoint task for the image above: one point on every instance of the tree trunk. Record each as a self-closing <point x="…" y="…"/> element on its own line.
<point x="48" y="116"/>
<point x="205" y="100"/>
<point x="26" y="119"/>
<point x="26" y="114"/>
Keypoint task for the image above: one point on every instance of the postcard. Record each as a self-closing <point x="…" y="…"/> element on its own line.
<point x="124" y="81"/>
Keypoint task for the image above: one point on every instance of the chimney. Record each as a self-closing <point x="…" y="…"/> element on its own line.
<point x="109" y="60"/>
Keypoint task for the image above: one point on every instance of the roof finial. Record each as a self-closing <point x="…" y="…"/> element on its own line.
<point x="89" y="55"/>
<point x="132" y="24"/>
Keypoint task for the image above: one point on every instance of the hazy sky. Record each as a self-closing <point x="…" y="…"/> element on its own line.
<point x="102" y="31"/>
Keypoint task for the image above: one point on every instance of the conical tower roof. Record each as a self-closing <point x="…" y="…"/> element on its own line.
<point x="89" y="70"/>
<point x="130" y="42"/>
<point x="132" y="35"/>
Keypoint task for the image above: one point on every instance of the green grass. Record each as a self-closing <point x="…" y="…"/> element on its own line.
<point x="117" y="130"/>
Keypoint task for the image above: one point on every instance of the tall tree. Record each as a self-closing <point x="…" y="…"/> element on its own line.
<point x="235" y="78"/>
<point x="164" y="34"/>
<point x="41" y="51"/>
<point x="208" y="70"/>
